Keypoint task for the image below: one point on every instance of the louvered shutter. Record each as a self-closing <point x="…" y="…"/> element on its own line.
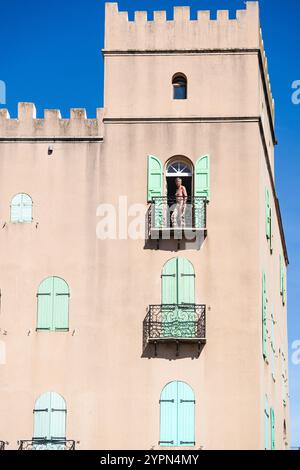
<point x="60" y="304"/>
<point x="58" y="417"/>
<point x="267" y="425"/>
<point x="169" y="297"/>
<point x="264" y="318"/>
<point x="15" y="208"/>
<point x="186" y="415"/>
<point x="272" y="422"/>
<point x="168" y="415"/>
<point x="45" y="304"/>
<point x="42" y="416"/>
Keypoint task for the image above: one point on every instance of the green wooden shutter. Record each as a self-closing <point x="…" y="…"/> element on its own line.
<point x="168" y="415"/>
<point x="155" y="177"/>
<point x="273" y="344"/>
<point x="202" y="177"/>
<point x="186" y="295"/>
<point x="264" y="317"/>
<point x="272" y="421"/>
<point x="283" y="379"/>
<point x="58" y="417"/>
<point x="186" y="282"/>
<point x="186" y="415"/>
<point x="169" y="297"/>
<point x="61" y="304"/>
<point x="45" y="304"/>
<point x="21" y="208"/>
<point x="281" y="274"/>
<point x="202" y="190"/>
<point x="42" y="416"/>
<point x="26" y="208"/>
<point x="267" y="425"/>
<point x="15" y="208"/>
<point x="268" y="217"/>
<point x="282" y="280"/>
<point x="169" y="282"/>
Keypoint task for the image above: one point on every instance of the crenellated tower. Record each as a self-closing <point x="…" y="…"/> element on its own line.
<point x="139" y="338"/>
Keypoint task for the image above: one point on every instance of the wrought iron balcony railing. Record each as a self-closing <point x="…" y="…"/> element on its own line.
<point x="178" y="323"/>
<point x="2" y="445"/>
<point x="47" y="444"/>
<point x="177" y="213"/>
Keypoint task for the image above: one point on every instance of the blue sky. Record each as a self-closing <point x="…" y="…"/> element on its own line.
<point x="51" y="55"/>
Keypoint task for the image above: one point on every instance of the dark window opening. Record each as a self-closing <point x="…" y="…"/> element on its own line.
<point x="179" y="87"/>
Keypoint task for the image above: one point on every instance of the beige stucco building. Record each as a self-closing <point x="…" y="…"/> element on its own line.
<point x="88" y="317"/>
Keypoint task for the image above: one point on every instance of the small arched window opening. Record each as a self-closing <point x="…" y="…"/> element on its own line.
<point x="179" y="83"/>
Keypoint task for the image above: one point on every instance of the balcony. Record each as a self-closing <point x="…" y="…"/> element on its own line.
<point x="47" y="444"/>
<point x="176" y="217"/>
<point x="185" y="323"/>
<point x="2" y="445"/>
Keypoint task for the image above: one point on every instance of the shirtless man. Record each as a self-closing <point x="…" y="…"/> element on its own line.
<point x="181" y="197"/>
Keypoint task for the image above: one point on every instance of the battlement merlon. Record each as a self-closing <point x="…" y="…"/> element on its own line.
<point x="184" y="34"/>
<point x="52" y="126"/>
<point x="181" y="33"/>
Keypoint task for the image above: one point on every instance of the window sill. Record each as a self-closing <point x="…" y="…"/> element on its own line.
<point x="59" y="330"/>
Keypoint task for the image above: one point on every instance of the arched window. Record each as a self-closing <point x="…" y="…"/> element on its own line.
<point x="177" y="415"/>
<point x="178" y="298"/>
<point x="53" y="305"/>
<point x="179" y="82"/>
<point x="21" y="208"/>
<point x="50" y="414"/>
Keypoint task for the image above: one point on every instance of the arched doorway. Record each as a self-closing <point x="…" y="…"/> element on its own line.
<point x="179" y="168"/>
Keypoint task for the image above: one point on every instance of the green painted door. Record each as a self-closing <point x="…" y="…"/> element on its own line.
<point x="50" y="421"/>
<point x="178" y="289"/>
<point x="177" y="415"/>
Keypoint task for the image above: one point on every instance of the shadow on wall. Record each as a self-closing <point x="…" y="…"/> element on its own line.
<point x="174" y="245"/>
<point x="172" y="351"/>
